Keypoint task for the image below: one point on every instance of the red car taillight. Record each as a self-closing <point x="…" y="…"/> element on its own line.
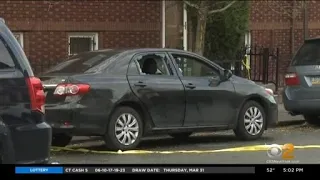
<point x="292" y="79"/>
<point x="71" y="89"/>
<point x="36" y="93"/>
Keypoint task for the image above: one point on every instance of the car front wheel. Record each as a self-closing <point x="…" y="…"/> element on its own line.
<point x="252" y="121"/>
<point x="312" y="119"/>
<point x="125" y="129"/>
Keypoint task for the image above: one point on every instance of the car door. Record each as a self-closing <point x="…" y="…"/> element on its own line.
<point x="162" y="92"/>
<point x="208" y="99"/>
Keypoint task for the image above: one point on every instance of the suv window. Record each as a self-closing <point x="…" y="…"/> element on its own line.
<point x="6" y="61"/>
<point x="308" y="54"/>
<point x="190" y="66"/>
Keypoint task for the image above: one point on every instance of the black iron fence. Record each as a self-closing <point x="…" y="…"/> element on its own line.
<point x="258" y="64"/>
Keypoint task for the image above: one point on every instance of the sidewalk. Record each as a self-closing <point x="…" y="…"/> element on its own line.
<point x="286" y="119"/>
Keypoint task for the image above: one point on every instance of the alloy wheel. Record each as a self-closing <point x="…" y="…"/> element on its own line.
<point x="126" y="129"/>
<point x="253" y="121"/>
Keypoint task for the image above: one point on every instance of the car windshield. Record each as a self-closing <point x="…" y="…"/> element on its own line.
<point x="308" y="54"/>
<point x="82" y="63"/>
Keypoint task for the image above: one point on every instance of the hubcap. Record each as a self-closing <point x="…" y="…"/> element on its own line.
<point x="253" y="120"/>
<point x="126" y="129"/>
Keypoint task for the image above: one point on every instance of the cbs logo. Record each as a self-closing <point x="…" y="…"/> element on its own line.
<point x="284" y="152"/>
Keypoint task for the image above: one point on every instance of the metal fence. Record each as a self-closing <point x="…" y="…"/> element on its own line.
<point x="257" y="64"/>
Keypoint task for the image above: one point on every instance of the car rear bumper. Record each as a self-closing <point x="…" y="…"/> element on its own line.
<point x="28" y="144"/>
<point x="76" y="120"/>
<point x="301" y="106"/>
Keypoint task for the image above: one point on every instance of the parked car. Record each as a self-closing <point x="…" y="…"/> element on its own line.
<point x="301" y="95"/>
<point x="25" y="137"/>
<point x="123" y="95"/>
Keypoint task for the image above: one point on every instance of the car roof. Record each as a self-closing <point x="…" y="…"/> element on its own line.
<point x="2" y="20"/>
<point x="132" y="51"/>
<point x="312" y="39"/>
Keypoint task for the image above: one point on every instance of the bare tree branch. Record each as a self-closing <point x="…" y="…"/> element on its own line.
<point x="191" y="4"/>
<point x="222" y="9"/>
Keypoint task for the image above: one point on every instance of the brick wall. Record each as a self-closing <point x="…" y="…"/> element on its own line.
<point x="271" y="22"/>
<point x="46" y="24"/>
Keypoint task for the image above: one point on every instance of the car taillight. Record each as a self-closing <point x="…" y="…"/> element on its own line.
<point x="36" y="93"/>
<point x="292" y="79"/>
<point x="71" y="89"/>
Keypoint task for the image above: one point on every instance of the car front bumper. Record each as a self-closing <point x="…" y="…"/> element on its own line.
<point x="272" y="115"/>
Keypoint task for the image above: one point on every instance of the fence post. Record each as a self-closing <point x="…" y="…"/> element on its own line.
<point x="265" y="59"/>
<point x="277" y="70"/>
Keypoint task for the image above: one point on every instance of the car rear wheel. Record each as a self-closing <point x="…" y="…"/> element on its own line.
<point x="61" y="140"/>
<point x="125" y="129"/>
<point x="312" y="119"/>
<point x="180" y="136"/>
<point x="252" y="121"/>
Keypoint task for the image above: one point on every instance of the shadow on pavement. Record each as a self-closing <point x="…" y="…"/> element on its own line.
<point x="199" y="142"/>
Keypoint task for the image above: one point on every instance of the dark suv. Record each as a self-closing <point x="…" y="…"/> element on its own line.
<point x="25" y="137"/>
<point x="302" y="92"/>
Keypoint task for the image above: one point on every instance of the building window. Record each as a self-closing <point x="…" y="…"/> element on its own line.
<point x="19" y="37"/>
<point x="82" y="42"/>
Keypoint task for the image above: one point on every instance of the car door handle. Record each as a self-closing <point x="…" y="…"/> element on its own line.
<point x="190" y="86"/>
<point x="140" y="83"/>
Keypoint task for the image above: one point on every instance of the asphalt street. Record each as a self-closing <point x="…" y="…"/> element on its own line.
<point x="201" y="149"/>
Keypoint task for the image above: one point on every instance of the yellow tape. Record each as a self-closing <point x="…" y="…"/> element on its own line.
<point x="236" y="149"/>
<point x="245" y="63"/>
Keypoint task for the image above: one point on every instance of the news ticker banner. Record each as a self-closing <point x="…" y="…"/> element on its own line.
<point x="164" y="170"/>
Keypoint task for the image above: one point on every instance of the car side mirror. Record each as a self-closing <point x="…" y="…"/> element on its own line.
<point x="226" y="74"/>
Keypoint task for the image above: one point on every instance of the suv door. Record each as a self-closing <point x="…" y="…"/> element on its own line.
<point x="208" y="100"/>
<point x="161" y="92"/>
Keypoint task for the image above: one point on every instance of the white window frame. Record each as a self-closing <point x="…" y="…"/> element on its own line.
<point x="20" y="39"/>
<point x="93" y="35"/>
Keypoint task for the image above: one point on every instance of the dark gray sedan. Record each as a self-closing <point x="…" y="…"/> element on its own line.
<point x="123" y="95"/>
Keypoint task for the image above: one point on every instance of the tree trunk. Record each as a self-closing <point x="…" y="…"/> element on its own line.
<point x="201" y="32"/>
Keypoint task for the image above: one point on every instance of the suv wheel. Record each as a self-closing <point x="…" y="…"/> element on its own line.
<point x="61" y="140"/>
<point x="180" y="136"/>
<point x="312" y="119"/>
<point x="252" y="121"/>
<point x="124" y="130"/>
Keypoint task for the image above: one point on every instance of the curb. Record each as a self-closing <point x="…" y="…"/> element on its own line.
<point x="290" y="123"/>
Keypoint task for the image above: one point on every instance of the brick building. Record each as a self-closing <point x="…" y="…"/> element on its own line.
<point x="273" y="24"/>
<point x="51" y="30"/>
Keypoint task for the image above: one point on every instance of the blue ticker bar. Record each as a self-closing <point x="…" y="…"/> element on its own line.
<point x="39" y="170"/>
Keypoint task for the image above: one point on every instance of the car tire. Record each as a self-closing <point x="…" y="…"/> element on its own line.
<point x="180" y="136"/>
<point x="128" y="123"/>
<point x="61" y="140"/>
<point x="312" y="119"/>
<point x="251" y="117"/>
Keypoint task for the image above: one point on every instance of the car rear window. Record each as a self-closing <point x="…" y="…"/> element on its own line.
<point x="82" y="63"/>
<point x="6" y="61"/>
<point x="308" y="54"/>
